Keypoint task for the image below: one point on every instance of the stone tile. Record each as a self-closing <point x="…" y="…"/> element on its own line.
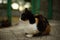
<point x="53" y="37"/>
<point x="16" y="33"/>
<point x="55" y="30"/>
<point x="7" y="35"/>
<point x="44" y="38"/>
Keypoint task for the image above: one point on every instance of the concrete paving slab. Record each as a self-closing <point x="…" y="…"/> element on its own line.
<point x="16" y="33"/>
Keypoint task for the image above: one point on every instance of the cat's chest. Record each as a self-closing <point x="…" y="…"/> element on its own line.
<point x="29" y="28"/>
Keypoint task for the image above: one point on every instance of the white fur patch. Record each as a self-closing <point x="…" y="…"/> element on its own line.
<point x="30" y="28"/>
<point x="29" y="35"/>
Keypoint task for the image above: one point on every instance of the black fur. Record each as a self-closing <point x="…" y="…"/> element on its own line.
<point x="42" y="24"/>
<point x="27" y="15"/>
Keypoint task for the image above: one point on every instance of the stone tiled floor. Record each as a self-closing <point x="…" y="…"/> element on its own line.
<point x="16" y="32"/>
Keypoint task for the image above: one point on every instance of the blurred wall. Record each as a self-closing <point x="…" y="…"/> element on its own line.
<point x="43" y="11"/>
<point x="56" y="9"/>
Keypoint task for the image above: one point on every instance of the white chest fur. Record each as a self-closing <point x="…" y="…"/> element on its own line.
<point x="30" y="28"/>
